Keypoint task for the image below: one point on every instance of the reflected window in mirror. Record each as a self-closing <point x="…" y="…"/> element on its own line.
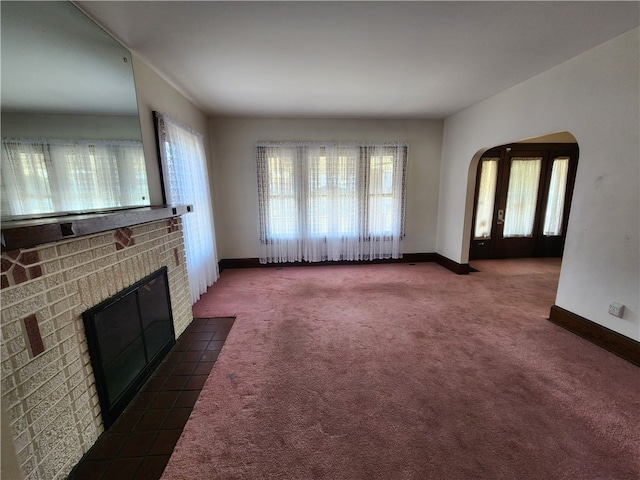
<point x="71" y="139"/>
<point x="47" y="176"/>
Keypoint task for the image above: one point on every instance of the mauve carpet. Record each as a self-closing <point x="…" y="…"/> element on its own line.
<point x="406" y="372"/>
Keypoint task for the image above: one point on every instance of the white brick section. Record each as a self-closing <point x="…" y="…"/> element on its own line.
<point x="51" y="399"/>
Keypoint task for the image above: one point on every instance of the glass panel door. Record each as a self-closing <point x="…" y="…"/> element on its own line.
<point x="522" y="197"/>
<point x="521" y="191"/>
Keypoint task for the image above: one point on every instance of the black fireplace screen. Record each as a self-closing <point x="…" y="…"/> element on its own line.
<point x="128" y="335"/>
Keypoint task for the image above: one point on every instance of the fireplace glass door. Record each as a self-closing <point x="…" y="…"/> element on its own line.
<point x="119" y="337"/>
<point x="128" y="335"/>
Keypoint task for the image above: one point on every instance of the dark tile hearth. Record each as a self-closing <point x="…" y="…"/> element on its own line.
<point x="138" y="445"/>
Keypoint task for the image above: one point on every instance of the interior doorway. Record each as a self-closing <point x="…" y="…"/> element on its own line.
<point x="522" y="200"/>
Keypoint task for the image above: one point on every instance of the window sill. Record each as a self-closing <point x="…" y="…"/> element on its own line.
<point x="25" y="233"/>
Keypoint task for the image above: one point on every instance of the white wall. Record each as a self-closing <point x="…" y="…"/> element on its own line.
<point x="594" y="96"/>
<point x="235" y="183"/>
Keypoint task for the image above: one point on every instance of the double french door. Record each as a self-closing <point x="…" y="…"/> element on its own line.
<point x="522" y="201"/>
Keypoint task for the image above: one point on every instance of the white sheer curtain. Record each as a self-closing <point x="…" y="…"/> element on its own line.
<point x="555" y="201"/>
<point x="330" y="201"/>
<point x="522" y="196"/>
<point x="486" y="197"/>
<point x="45" y="176"/>
<point x="186" y="182"/>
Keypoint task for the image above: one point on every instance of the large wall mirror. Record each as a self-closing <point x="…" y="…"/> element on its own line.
<point x="71" y="139"/>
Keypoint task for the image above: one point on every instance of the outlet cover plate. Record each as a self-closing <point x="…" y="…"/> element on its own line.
<point x="616" y="309"/>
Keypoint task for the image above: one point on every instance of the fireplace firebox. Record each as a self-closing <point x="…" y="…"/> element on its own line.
<point x="128" y="336"/>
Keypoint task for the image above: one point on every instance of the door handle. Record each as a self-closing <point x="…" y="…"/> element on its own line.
<point x="500" y="217"/>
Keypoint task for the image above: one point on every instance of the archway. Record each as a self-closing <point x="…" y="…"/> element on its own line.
<point x="520" y="197"/>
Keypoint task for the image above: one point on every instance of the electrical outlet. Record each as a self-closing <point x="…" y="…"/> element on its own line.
<point x="616" y="309"/>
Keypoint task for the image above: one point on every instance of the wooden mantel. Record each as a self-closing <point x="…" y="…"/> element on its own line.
<point x="25" y="233"/>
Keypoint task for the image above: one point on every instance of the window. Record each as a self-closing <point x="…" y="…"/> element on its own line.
<point x="47" y="176"/>
<point x="186" y="182"/>
<point x="382" y="197"/>
<point x="330" y="201"/>
<point x="332" y="194"/>
<point x="554" y="213"/>
<point x="283" y="214"/>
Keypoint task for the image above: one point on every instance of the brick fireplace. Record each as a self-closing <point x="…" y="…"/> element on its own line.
<point x="48" y="386"/>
